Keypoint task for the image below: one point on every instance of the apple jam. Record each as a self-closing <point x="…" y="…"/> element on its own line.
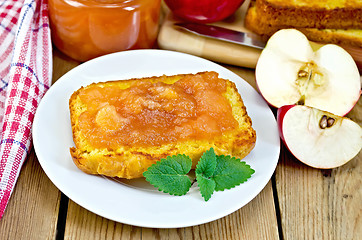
<point x="153" y="113"/>
<point x="85" y="29"/>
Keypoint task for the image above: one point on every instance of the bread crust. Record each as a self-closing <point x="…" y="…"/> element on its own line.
<point x="130" y="162"/>
<point x="257" y="23"/>
<point x="311" y="14"/>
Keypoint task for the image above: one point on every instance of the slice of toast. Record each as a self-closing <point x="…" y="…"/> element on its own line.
<point x="332" y="14"/>
<point x="259" y="24"/>
<point x="125" y="158"/>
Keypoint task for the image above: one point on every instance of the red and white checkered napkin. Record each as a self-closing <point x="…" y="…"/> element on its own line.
<point x="25" y="76"/>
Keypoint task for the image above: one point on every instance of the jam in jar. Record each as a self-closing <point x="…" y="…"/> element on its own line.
<point x="85" y="29"/>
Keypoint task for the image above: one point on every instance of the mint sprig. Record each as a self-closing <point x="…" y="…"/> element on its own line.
<point x="213" y="173"/>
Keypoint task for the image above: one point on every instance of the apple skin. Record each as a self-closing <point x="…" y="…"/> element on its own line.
<point x="203" y="11"/>
<point x="280" y="117"/>
<point x="319" y="148"/>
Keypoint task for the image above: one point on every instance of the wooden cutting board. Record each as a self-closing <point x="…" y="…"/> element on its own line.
<point x="176" y="39"/>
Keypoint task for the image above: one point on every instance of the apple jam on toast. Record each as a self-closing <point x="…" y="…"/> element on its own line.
<point x="120" y="128"/>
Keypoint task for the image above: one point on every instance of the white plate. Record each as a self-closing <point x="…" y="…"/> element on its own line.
<point x="132" y="202"/>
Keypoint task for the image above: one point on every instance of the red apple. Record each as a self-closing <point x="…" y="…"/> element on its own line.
<point x="203" y="11"/>
<point x="289" y="71"/>
<point x="318" y="138"/>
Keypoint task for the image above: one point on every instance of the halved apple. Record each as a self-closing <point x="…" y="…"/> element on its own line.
<point x="318" y="138"/>
<point x="290" y="72"/>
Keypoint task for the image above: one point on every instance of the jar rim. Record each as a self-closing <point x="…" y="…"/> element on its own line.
<point x="104" y="3"/>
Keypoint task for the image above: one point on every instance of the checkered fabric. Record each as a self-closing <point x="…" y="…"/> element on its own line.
<point x="25" y="76"/>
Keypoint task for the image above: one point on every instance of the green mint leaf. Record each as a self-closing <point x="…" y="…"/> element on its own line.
<point x="206" y="186"/>
<point x="207" y="163"/>
<point x="230" y="172"/>
<point x="204" y="171"/>
<point x="169" y="175"/>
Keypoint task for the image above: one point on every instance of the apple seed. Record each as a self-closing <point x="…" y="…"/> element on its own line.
<point x="330" y="122"/>
<point x="302" y="73"/>
<point x="323" y="123"/>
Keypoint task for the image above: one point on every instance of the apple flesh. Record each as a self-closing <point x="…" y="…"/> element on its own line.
<point x="318" y="138"/>
<point x="289" y="71"/>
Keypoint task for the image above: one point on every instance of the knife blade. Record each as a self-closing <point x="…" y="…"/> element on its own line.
<point x="224" y="34"/>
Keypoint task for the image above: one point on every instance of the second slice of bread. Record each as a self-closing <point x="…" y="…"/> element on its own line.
<point x="258" y="23"/>
<point x="332" y="14"/>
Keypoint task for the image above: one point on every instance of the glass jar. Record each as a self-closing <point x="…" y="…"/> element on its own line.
<point x="85" y="29"/>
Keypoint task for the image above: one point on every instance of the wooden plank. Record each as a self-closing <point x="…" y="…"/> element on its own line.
<point x="32" y="211"/>
<point x="82" y="224"/>
<point x="62" y="64"/>
<point x="256" y="220"/>
<point x="320" y="204"/>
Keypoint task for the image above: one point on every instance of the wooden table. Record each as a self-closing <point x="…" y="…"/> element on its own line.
<point x="299" y="202"/>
